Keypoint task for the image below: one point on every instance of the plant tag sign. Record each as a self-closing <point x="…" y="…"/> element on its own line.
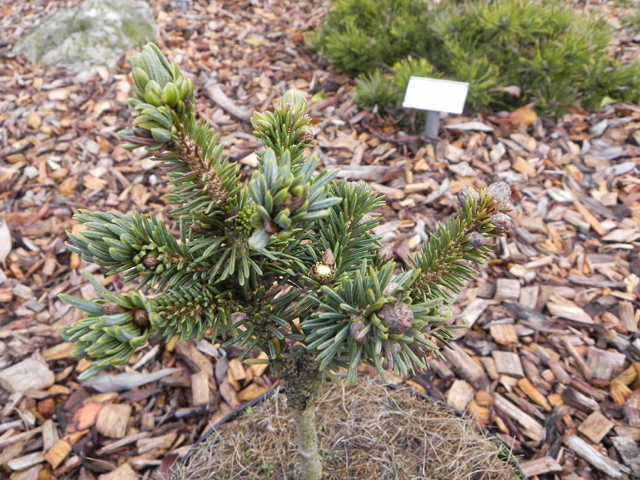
<point x="436" y="95"/>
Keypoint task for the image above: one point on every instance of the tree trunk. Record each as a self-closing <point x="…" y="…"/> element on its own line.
<point x="300" y="381"/>
<point x="308" y="442"/>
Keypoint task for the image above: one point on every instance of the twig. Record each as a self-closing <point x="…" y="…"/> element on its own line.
<point x="215" y="93"/>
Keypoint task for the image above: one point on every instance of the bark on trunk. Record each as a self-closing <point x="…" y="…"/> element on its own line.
<point x="308" y="442"/>
<point x="300" y="380"/>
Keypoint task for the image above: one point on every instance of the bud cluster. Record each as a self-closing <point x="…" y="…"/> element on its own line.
<point x="285" y="192"/>
<point x="162" y="97"/>
<point x="494" y="201"/>
<point x="114" y="328"/>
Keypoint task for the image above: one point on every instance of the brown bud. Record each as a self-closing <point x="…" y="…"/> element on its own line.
<point x="141" y="319"/>
<point x="385" y="253"/>
<point x="327" y="257"/>
<point x="112" y="308"/>
<point x="476" y="240"/>
<point x="307" y="136"/>
<point x="151" y="261"/>
<point x="501" y="222"/>
<point x="465" y="194"/>
<point x="420" y="349"/>
<point x="397" y="317"/>
<point x="501" y="193"/>
<point x="271" y="227"/>
<point x="359" y="331"/>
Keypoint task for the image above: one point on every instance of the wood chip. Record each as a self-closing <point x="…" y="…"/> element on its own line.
<point x="576" y="399"/>
<point x="470" y="316"/>
<point x="459" y="395"/>
<point x="146" y="445"/>
<point x="504" y="334"/>
<point x="251" y="392"/>
<point x="508" y="363"/>
<point x="196" y="361"/>
<point x="123" y="472"/>
<point x="470" y="370"/>
<point x="113" y="420"/>
<point x="26" y="461"/>
<point x="595" y="458"/>
<point x="113" y="446"/>
<point x="30" y="374"/>
<point x="507" y="289"/>
<point x="533" y="393"/>
<point x="200" y="389"/>
<point x="532" y="428"/>
<point x="582" y="364"/>
<point x="595" y="427"/>
<point x="540" y="466"/>
<point x="629" y="452"/>
<point x="58" y="453"/>
<point x="236" y="368"/>
<point x="569" y="311"/>
<point x="49" y="434"/>
<point x="627" y="316"/>
<point x="605" y="364"/>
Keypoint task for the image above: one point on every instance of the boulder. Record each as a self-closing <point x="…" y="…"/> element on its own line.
<point x="92" y="35"/>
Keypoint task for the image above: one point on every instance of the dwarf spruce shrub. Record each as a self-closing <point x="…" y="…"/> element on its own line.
<point x="291" y="253"/>
<point x="555" y="54"/>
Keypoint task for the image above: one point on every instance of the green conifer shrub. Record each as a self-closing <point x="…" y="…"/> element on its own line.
<point x="292" y="251"/>
<point x="361" y="35"/>
<point x="556" y="55"/>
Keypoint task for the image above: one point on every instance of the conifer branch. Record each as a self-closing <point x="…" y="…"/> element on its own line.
<point x="192" y="312"/>
<point x="137" y="247"/>
<point x="114" y="328"/>
<point x="443" y="261"/>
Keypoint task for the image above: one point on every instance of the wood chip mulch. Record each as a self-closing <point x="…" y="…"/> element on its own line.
<point x="550" y="358"/>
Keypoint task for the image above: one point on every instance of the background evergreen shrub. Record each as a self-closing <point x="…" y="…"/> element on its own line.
<point x="556" y="55"/>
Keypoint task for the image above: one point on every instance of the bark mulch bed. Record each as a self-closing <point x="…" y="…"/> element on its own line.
<point x="550" y="358"/>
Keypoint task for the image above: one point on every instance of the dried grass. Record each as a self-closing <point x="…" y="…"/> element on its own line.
<point x="367" y="431"/>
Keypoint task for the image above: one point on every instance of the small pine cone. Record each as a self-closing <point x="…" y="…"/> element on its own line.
<point x="476" y="240"/>
<point x="501" y="193"/>
<point x="420" y="349"/>
<point x="501" y="222"/>
<point x="397" y="317"/>
<point x="357" y="331"/>
<point x="465" y="194"/>
<point x="151" y="261"/>
<point x="385" y="254"/>
<point x="141" y="319"/>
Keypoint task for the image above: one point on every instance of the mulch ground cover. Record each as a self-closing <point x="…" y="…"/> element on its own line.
<point x="550" y="357"/>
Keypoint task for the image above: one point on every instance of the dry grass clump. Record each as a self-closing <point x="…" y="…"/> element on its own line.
<point x="366" y="430"/>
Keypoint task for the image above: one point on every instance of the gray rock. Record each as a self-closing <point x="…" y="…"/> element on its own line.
<point x="93" y="35"/>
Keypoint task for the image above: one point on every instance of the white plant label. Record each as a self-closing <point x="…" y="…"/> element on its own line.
<point x="436" y="95"/>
